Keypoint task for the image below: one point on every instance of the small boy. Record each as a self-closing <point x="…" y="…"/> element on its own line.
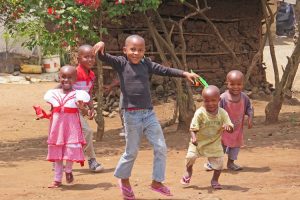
<point x="85" y="81"/>
<point x="134" y="71"/>
<point x="206" y="129"/>
<point x="237" y="104"/>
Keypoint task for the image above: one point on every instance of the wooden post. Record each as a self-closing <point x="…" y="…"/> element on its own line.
<point x="99" y="93"/>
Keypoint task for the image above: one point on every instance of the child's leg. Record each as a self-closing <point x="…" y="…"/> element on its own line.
<point x="191" y="157"/>
<point x="58" y="173"/>
<point x="189" y="168"/>
<point x="154" y="134"/>
<point x="217" y="165"/>
<point x="68" y="170"/>
<point x="156" y="138"/>
<point x="215" y="179"/>
<point x="88" y="134"/>
<point x="89" y="147"/>
<point x="133" y="128"/>
<point x="232" y="156"/>
<point x="69" y="166"/>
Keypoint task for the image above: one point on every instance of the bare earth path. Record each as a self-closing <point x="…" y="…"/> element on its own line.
<point x="270" y="158"/>
<point x="283" y="47"/>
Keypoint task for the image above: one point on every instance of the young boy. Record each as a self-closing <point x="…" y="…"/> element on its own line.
<point x="134" y="71"/>
<point x="206" y="129"/>
<point x="237" y="104"/>
<point x="85" y="81"/>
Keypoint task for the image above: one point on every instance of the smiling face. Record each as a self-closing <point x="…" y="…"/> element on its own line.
<point x="134" y="49"/>
<point x="67" y="76"/>
<point x="235" y="82"/>
<point x="211" y="98"/>
<point x="86" y="56"/>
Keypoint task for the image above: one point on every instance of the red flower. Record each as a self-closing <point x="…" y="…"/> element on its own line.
<point x="50" y="11"/>
<point x="94" y="4"/>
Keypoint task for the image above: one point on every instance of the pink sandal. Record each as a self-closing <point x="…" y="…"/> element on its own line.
<point x="164" y="190"/>
<point x="185" y="180"/>
<point x="127" y="192"/>
<point x="54" y="184"/>
<point x="216" y="186"/>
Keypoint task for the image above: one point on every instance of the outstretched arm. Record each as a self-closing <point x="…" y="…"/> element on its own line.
<point x="190" y="76"/>
<point x="115" y="62"/>
<point x="167" y="71"/>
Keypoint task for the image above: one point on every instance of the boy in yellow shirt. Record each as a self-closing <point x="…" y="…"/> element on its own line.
<point x="206" y="128"/>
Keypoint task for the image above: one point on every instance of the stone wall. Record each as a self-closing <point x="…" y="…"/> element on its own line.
<point x="239" y="22"/>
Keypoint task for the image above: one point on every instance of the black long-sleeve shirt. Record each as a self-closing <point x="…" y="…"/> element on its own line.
<point x="134" y="79"/>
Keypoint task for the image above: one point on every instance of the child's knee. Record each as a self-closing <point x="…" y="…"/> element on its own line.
<point x="190" y="161"/>
<point x="161" y="148"/>
<point x="131" y="155"/>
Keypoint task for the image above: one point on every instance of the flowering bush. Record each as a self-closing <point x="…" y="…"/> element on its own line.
<point x="56" y="24"/>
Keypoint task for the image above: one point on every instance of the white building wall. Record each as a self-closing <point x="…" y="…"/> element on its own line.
<point x="14" y="45"/>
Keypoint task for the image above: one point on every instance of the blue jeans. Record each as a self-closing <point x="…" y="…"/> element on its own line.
<point x="137" y="123"/>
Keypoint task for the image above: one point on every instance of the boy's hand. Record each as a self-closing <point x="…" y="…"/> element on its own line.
<point x="91" y="114"/>
<point x="81" y="106"/>
<point x="228" y="128"/>
<point x="190" y="76"/>
<point x="194" y="139"/>
<point x="99" y="47"/>
<point x="250" y="122"/>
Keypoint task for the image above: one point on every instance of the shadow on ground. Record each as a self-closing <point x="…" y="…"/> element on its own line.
<point x="283" y="135"/>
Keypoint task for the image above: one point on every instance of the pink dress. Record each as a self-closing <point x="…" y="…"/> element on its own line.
<point x="65" y="138"/>
<point x="236" y="111"/>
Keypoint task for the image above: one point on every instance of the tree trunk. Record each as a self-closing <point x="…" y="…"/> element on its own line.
<point x="99" y="118"/>
<point x="273" y="108"/>
<point x="184" y="99"/>
<point x="186" y="108"/>
<point x="291" y="78"/>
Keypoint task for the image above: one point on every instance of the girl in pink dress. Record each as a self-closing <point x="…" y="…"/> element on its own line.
<point x="65" y="138"/>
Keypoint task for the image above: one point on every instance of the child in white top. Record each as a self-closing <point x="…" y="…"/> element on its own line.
<point x="65" y="138"/>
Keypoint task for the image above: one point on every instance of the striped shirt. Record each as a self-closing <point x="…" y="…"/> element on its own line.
<point x="85" y="81"/>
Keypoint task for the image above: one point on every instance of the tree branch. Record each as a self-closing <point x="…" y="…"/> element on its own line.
<point x="201" y="12"/>
<point x="258" y="55"/>
<point x="165" y="60"/>
<point x="266" y="7"/>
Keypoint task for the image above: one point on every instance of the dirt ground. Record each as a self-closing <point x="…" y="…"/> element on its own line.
<point x="270" y="157"/>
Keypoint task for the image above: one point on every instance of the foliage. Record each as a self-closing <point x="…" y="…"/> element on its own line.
<point x="56" y="25"/>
